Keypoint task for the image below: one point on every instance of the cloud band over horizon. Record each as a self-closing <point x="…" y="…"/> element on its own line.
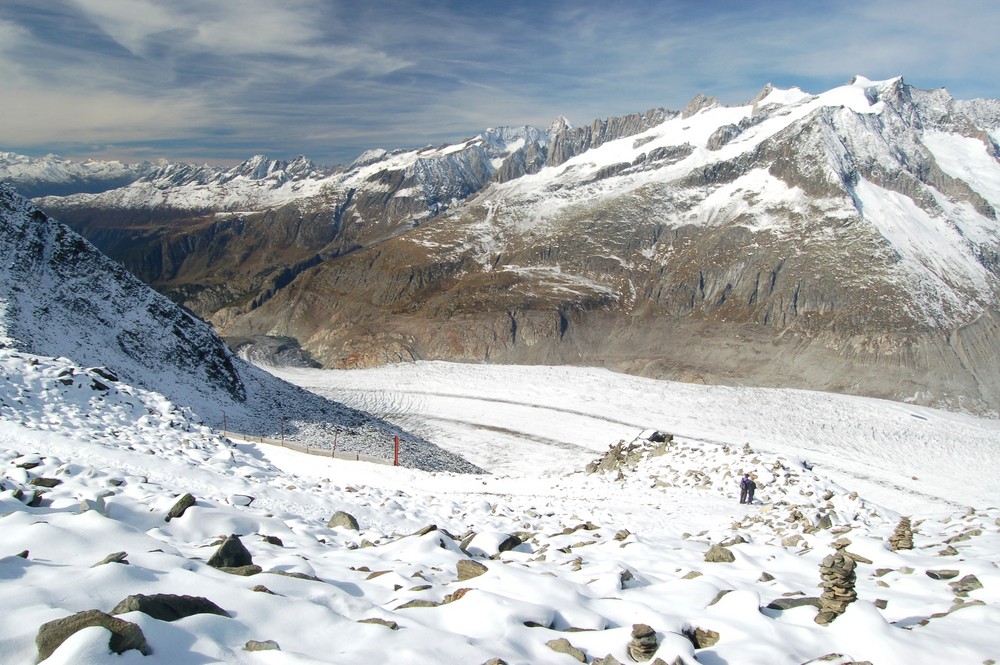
<point x="219" y="81"/>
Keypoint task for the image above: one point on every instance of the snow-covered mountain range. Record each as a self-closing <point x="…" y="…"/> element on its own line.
<point x="52" y="175"/>
<point x="60" y="297"/>
<point x="846" y="241"/>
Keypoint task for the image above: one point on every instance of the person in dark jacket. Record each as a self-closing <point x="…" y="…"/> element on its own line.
<point x="744" y="487"/>
<point x="751" y="486"/>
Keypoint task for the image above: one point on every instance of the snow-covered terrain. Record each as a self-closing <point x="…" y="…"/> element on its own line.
<point x="564" y="555"/>
<point x="507" y="417"/>
<point x="600" y="522"/>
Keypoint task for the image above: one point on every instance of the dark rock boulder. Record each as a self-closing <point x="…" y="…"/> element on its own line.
<point x="345" y="520"/>
<point x="966" y="584"/>
<point x="114" y="557"/>
<point x="425" y="530"/>
<point x="242" y="571"/>
<point x="719" y="554"/>
<point x="607" y="660"/>
<point x="467" y="569"/>
<point x="789" y="603"/>
<point x="124" y="635"/>
<point x="942" y="574"/>
<point x="168" y="607"/>
<point x="419" y="602"/>
<point x="45" y="482"/>
<point x="180" y="506"/>
<point x="702" y="638"/>
<point x="232" y="553"/>
<point x="562" y="645"/>
<point x="391" y="625"/>
<point x="294" y="574"/>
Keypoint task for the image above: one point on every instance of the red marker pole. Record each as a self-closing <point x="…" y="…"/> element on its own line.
<point x="395" y="459"/>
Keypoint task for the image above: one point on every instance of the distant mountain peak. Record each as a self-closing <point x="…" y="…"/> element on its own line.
<point x="699" y="102"/>
<point x="559" y="125"/>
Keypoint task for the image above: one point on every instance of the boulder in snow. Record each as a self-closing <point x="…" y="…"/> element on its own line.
<point x="124" y="634"/>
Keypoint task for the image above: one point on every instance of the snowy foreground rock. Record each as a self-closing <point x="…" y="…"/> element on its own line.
<point x="455" y="568"/>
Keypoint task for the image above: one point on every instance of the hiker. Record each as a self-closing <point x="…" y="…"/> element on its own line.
<point x="751" y="486"/>
<point x="744" y="487"/>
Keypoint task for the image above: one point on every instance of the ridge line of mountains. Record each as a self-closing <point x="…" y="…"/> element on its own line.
<point x="844" y="241"/>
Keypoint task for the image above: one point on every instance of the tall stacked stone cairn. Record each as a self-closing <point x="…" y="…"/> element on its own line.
<point x="838" y="578"/>
<point x="643" y="644"/>
<point x="902" y="537"/>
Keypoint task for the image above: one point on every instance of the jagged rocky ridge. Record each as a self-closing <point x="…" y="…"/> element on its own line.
<point x="845" y="241"/>
<point x="61" y="298"/>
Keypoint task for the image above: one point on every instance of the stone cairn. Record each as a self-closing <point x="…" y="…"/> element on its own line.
<point x="902" y="537"/>
<point x="838" y="577"/>
<point x="643" y="644"/>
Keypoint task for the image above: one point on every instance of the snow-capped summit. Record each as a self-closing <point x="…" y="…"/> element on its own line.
<point x="559" y="125"/>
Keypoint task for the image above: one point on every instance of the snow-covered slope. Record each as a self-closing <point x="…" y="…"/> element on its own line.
<point x="59" y="297"/>
<point x="520" y="566"/>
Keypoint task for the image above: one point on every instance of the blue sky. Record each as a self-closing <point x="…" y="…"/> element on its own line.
<point x="221" y="80"/>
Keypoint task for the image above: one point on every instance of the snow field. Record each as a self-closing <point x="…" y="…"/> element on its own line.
<point x="599" y="552"/>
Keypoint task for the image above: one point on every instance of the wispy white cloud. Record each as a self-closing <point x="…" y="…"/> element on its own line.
<point x="327" y="77"/>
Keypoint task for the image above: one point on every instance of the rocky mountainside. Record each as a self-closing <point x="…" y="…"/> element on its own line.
<point x="60" y="297"/>
<point x="225" y="240"/>
<point x="844" y="241"/>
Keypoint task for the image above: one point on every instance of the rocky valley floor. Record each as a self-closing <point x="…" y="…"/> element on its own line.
<point x="586" y="542"/>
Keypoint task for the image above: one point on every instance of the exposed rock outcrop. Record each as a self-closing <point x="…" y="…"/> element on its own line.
<point x="232" y="553"/>
<point x="343" y="520"/>
<point x="124" y="634"/>
<point x="467" y="569"/>
<point x="180" y="507"/>
<point x="562" y="645"/>
<point x="168" y="607"/>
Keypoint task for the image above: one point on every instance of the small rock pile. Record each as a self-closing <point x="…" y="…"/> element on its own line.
<point x="902" y="537"/>
<point x="643" y="644"/>
<point x="838" y="578"/>
<point x="627" y="455"/>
